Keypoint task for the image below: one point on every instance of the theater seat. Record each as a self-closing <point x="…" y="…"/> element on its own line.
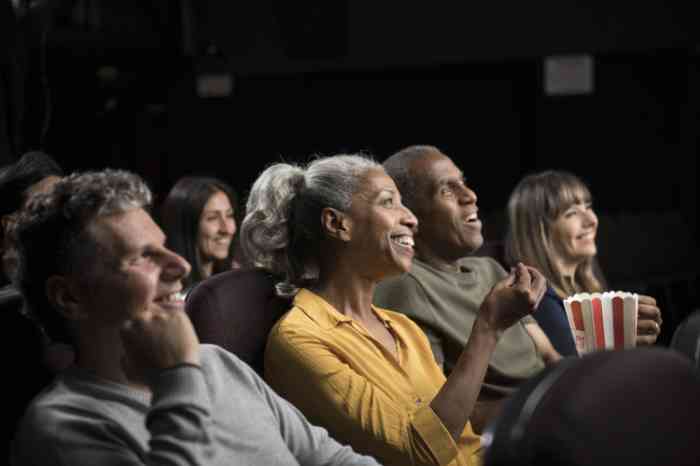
<point x="633" y="407"/>
<point x="686" y="338"/>
<point x="236" y="310"/>
<point x="24" y="373"/>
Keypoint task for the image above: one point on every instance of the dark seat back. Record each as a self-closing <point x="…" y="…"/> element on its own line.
<point x="686" y="338"/>
<point x="24" y="372"/>
<point x="635" y="406"/>
<point x="236" y="310"/>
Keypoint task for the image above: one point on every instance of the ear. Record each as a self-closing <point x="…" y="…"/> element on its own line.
<point x="63" y="294"/>
<point x="336" y="224"/>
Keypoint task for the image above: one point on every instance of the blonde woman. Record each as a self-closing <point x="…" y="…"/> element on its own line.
<point x="552" y="226"/>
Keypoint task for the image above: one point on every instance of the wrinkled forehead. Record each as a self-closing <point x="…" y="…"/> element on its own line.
<point x="435" y="169"/>
<point x="373" y="182"/>
<point x="122" y="233"/>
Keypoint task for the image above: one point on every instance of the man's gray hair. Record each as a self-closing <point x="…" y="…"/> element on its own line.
<point x="52" y="233"/>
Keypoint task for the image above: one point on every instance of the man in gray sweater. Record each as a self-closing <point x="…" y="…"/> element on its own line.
<point x="96" y="271"/>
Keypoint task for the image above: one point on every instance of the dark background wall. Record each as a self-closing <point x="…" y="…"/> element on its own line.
<point x="113" y="84"/>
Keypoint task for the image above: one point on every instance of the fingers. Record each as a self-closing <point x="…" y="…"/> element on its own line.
<point x="644" y="299"/>
<point x="648" y="327"/>
<point x="539" y="284"/>
<point x="649" y="312"/>
<point x="506" y="282"/>
<point x="647" y="332"/>
<point x="157" y="340"/>
<point x="646" y="340"/>
<point x="510" y="279"/>
<point x="531" y="281"/>
<point x="648" y="320"/>
<point x="523" y="279"/>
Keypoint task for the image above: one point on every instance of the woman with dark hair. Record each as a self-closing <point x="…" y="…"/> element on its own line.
<point x="199" y="218"/>
<point x="332" y="231"/>
<point x="552" y="226"/>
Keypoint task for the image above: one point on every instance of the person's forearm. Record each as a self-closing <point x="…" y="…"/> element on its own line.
<point x="543" y="344"/>
<point x="455" y="401"/>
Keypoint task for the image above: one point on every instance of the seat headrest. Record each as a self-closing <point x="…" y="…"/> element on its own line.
<point x="637" y="406"/>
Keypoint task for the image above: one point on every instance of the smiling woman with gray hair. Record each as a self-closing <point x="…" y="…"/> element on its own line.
<point x="332" y="230"/>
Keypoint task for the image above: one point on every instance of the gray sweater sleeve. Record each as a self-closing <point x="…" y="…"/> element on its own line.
<point x="179" y="423"/>
<point x="311" y="445"/>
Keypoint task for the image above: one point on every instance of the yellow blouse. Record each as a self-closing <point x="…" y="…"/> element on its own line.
<point x="343" y="379"/>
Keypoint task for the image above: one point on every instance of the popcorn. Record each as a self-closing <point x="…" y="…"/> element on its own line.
<point x="603" y="321"/>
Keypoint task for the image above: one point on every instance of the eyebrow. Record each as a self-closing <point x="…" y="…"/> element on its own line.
<point x="451" y="179"/>
<point x="385" y="190"/>
<point x="370" y="197"/>
<point x="210" y="211"/>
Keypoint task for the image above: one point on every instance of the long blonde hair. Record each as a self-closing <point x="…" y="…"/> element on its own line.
<point x="535" y="203"/>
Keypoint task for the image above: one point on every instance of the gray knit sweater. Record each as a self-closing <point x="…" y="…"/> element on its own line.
<point x="221" y="414"/>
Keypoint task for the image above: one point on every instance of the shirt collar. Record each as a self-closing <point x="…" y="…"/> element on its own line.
<point x="324" y="314"/>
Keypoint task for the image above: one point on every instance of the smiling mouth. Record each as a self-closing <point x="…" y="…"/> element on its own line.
<point x="403" y="241"/>
<point x="472" y="218"/>
<point x="171" y="298"/>
<point x="472" y="221"/>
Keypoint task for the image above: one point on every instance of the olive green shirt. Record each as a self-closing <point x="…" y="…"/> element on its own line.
<point x="446" y="304"/>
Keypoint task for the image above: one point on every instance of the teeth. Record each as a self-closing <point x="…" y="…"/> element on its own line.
<point x="404" y="241"/>
<point x="172" y="297"/>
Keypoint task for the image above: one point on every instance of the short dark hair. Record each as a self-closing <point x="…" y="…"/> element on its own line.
<point x="52" y="236"/>
<point x="398" y="167"/>
<point x="31" y="168"/>
<point x="179" y="218"/>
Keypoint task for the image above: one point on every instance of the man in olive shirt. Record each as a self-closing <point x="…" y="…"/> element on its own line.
<point x="445" y="288"/>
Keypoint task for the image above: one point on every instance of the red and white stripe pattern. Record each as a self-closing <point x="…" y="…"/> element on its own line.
<point x="603" y="321"/>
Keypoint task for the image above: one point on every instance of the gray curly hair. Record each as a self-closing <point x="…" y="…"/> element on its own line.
<point x="282" y="227"/>
<point x="52" y="237"/>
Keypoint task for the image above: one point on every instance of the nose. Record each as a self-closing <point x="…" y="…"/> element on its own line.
<point x="591" y="218"/>
<point x="175" y="267"/>
<point x="409" y="219"/>
<point x="227" y="226"/>
<point x="467" y="196"/>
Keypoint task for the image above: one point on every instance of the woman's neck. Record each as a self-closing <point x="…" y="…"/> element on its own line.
<point x="566" y="269"/>
<point x="207" y="269"/>
<point x="349" y="293"/>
